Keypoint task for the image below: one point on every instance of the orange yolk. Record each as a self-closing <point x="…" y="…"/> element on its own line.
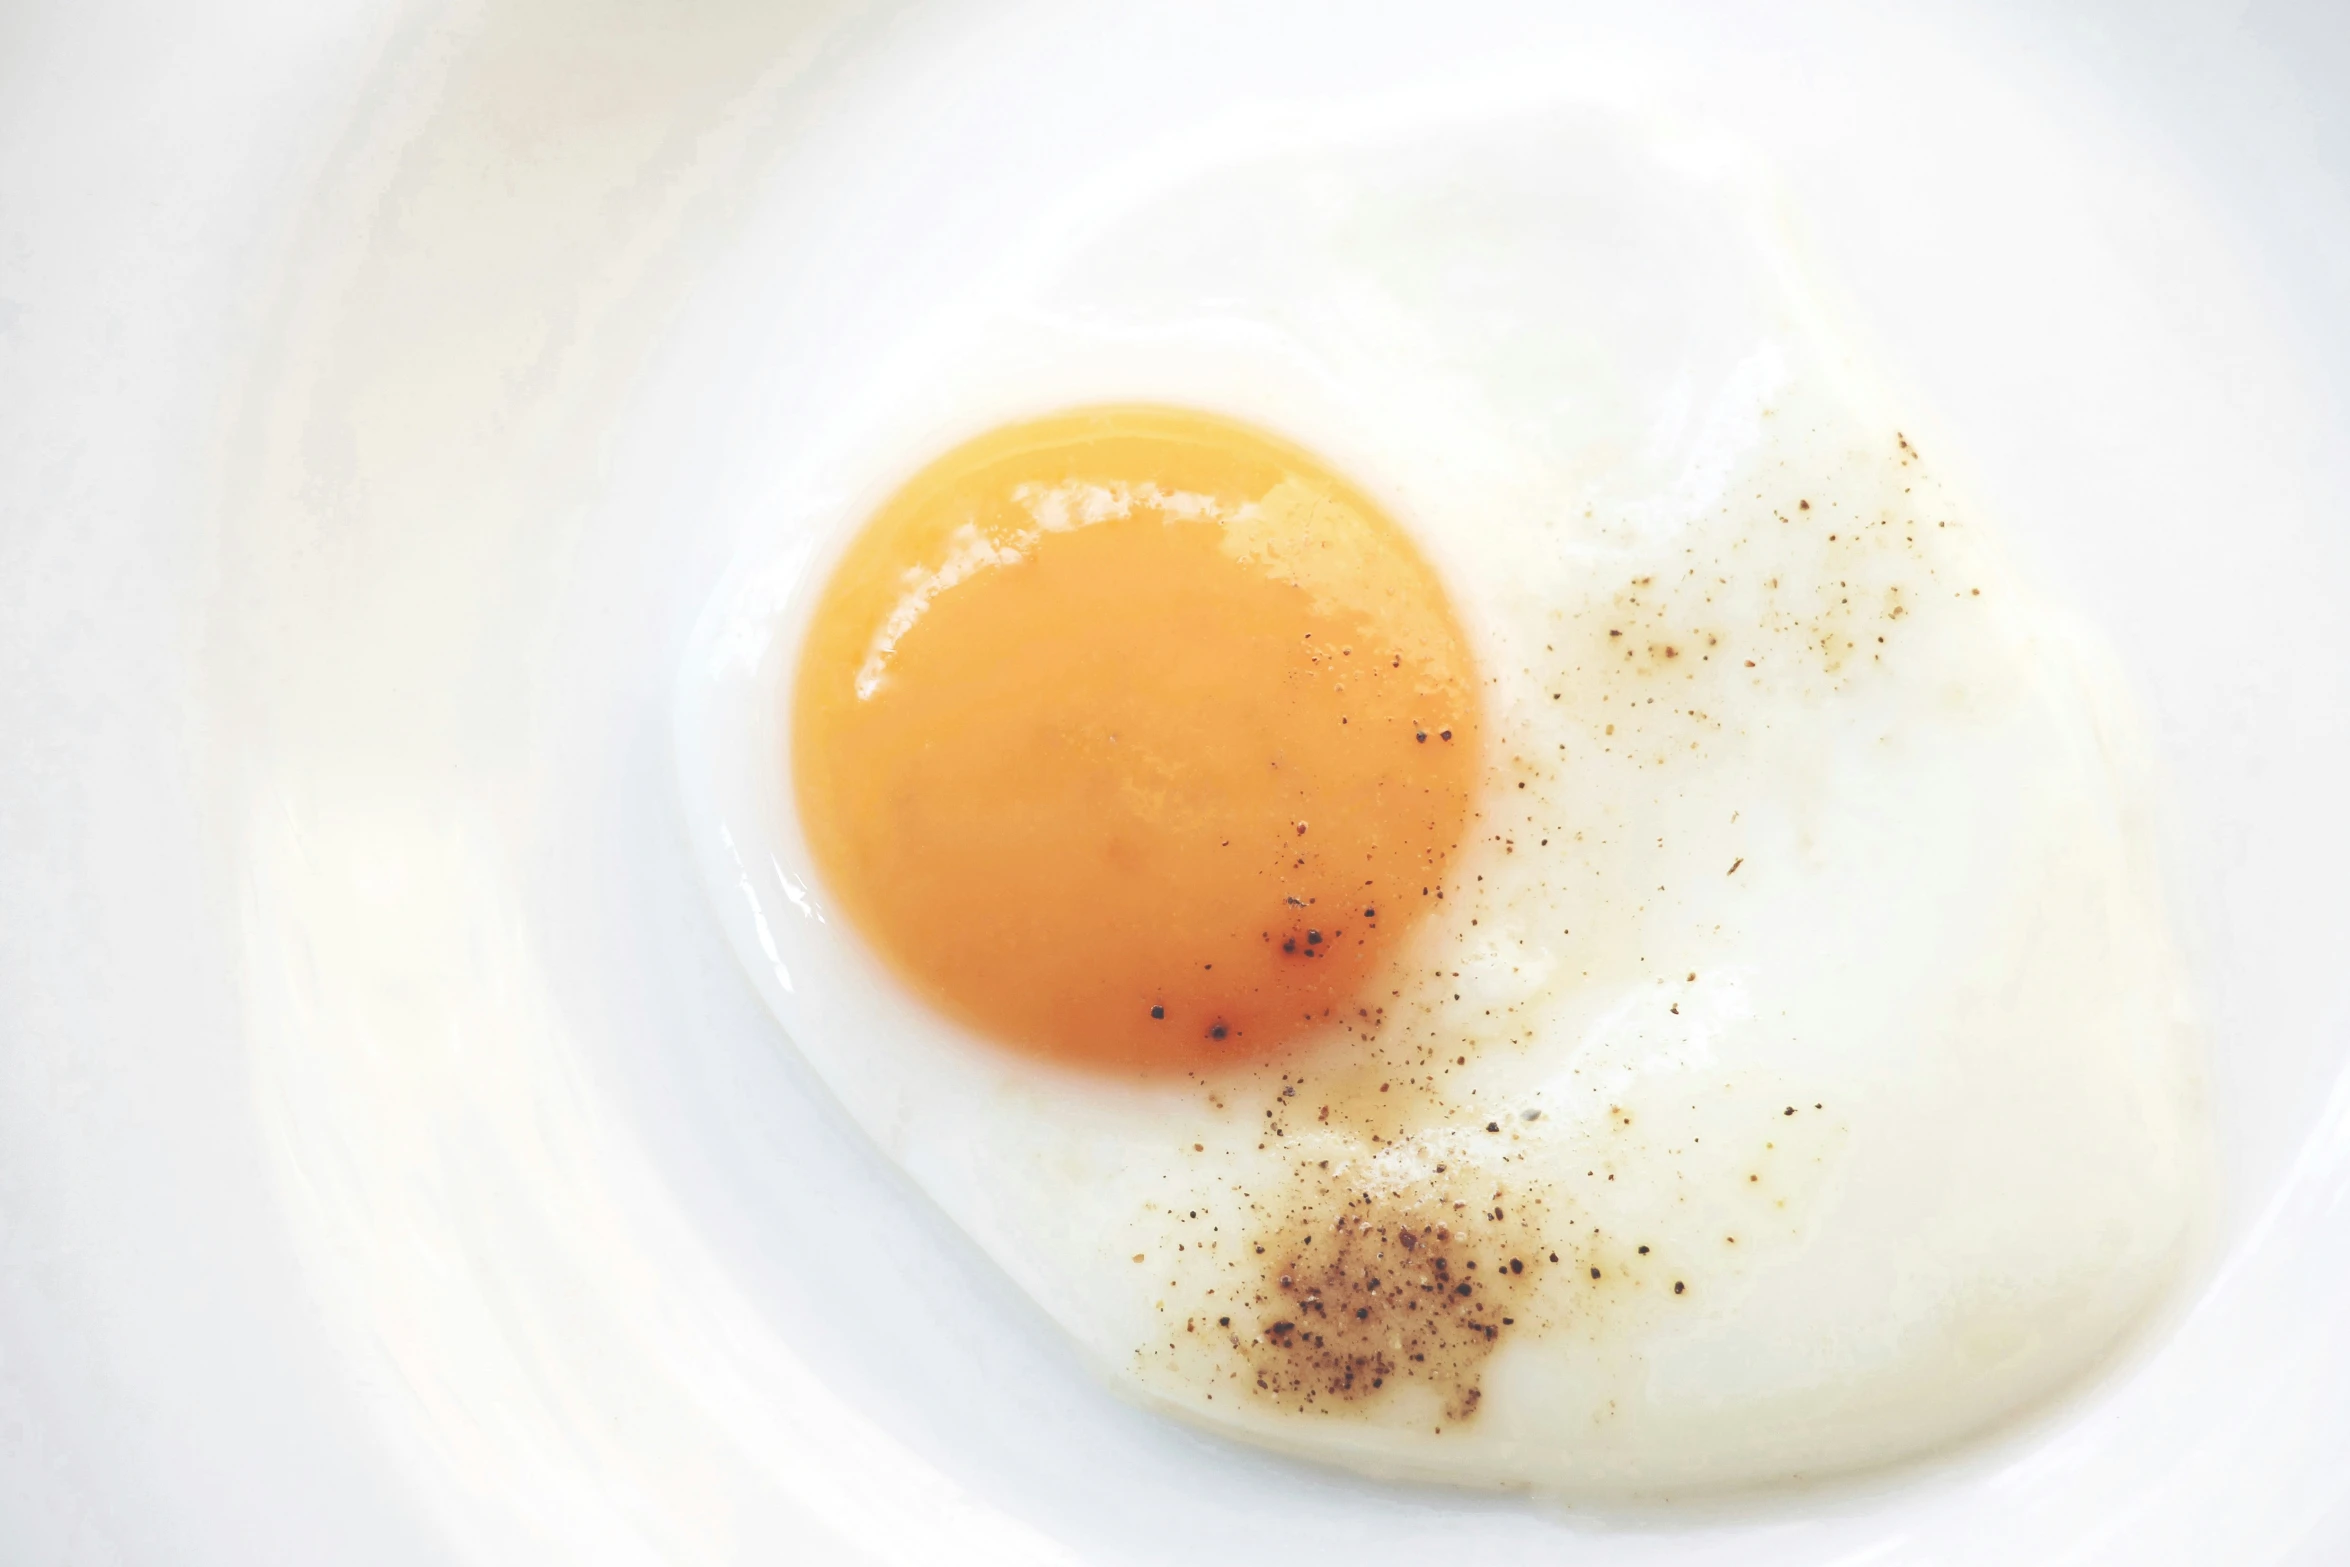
<point x="1134" y="738"/>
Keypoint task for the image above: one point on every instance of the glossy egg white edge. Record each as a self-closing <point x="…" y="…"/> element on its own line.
<point x="1711" y="350"/>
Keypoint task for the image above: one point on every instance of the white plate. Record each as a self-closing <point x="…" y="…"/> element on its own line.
<point x="393" y="1163"/>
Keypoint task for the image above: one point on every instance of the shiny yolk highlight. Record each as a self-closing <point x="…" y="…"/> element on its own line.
<point x="1134" y="738"/>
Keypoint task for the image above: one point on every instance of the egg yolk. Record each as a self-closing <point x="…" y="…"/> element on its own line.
<point x="1134" y="738"/>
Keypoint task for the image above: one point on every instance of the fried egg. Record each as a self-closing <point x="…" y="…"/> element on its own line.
<point x="1397" y="784"/>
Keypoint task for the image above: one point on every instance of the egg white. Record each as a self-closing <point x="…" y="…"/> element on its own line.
<point x="1736" y="856"/>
